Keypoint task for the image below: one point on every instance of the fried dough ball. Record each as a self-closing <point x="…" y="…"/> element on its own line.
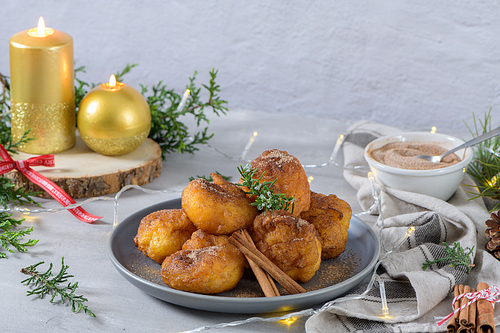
<point x="219" y="207"/>
<point x="291" y="179"/>
<point x="162" y="233"/>
<point x="291" y="243"/>
<point x="207" y="264"/>
<point x="200" y="239"/>
<point x="331" y="217"/>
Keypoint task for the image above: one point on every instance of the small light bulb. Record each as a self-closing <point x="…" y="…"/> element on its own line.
<point x="289" y="321"/>
<point x="410" y="231"/>
<point x="433" y="129"/>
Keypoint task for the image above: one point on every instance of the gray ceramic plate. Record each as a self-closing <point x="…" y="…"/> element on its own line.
<point x="333" y="279"/>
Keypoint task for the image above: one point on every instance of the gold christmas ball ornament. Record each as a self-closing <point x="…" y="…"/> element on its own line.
<point x="113" y="118"/>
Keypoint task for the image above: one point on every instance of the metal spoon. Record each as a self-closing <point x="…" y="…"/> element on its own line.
<point x="481" y="138"/>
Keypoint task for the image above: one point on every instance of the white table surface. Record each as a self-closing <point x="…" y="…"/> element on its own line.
<point x="120" y="306"/>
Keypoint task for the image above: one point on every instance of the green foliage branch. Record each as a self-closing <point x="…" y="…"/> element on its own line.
<point x="455" y="256"/>
<point x="48" y="284"/>
<point x="485" y="166"/>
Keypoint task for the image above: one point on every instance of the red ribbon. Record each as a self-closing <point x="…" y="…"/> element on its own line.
<point x="47" y="185"/>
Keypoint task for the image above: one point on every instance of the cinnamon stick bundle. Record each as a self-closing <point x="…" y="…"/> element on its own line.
<point x="485" y="321"/>
<point x="265" y="281"/>
<point x="476" y="317"/>
<point x="238" y="240"/>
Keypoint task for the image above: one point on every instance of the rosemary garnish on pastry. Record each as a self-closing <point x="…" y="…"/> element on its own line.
<point x="265" y="198"/>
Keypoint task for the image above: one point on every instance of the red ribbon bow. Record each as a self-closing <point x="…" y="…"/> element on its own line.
<point x="47" y="185"/>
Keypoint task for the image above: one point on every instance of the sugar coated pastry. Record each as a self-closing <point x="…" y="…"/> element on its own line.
<point x="219" y="207"/>
<point x="291" y="243"/>
<point x="291" y="179"/>
<point x="162" y="233"/>
<point x="208" y="264"/>
<point x="331" y="217"/>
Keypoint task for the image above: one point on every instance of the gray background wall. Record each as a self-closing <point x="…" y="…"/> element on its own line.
<point x="409" y="62"/>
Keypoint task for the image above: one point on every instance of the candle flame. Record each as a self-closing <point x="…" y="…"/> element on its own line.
<point x="112" y="84"/>
<point x="112" y="81"/>
<point x="40" y="31"/>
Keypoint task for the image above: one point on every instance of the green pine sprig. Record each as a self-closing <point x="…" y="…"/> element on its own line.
<point x="265" y="198"/>
<point x="13" y="238"/>
<point x="485" y="166"/>
<point x="10" y="238"/>
<point x="167" y="129"/>
<point x="455" y="257"/>
<point x="17" y="196"/>
<point x="5" y="134"/>
<point x="48" y="284"/>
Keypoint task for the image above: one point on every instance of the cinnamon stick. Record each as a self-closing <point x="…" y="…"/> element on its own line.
<point x="472" y="314"/>
<point x="485" y="322"/>
<point x="452" y="326"/>
<point x="265" y="281"/>
<point x="463" y="318"/>
<point x="287" y="282"/>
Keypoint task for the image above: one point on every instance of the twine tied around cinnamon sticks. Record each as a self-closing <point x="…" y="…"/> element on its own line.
<point x="472" y="310"/>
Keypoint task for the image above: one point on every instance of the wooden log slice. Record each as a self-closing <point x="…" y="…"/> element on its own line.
<point x="83" y="173"/>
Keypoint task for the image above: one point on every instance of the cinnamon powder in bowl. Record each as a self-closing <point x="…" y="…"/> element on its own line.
<point x="392" y="162"/>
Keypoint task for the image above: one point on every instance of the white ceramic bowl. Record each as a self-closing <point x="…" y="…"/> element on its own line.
<point x="440" y="183"/>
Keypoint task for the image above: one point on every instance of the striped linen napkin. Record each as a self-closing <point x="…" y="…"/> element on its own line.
<point x="415" y="297"/>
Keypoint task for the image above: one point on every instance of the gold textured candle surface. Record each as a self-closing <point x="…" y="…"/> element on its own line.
<point x="114" y="120"/>
<point x="42" y="91"/>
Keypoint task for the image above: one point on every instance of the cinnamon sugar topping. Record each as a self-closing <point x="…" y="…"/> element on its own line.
<point x="281" y="157"/>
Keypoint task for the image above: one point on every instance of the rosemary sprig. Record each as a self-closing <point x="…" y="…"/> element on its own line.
<point x="47" y="283"/>
<point x="485" y="166"/>
<point x="209" y="178"/>
<point x="266" y="199"/>
<point x="455" y="257"/>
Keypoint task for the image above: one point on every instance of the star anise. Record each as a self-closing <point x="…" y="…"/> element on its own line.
<point x="493" y="233"/>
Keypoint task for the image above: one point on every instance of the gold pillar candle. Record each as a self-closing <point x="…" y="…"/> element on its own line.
<point x="42" y="89"/>
<point x="113" y="118"/>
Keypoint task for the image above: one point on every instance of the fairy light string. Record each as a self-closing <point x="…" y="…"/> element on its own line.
<point x="241" y="157"/>
<point x="375" y="281"/>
